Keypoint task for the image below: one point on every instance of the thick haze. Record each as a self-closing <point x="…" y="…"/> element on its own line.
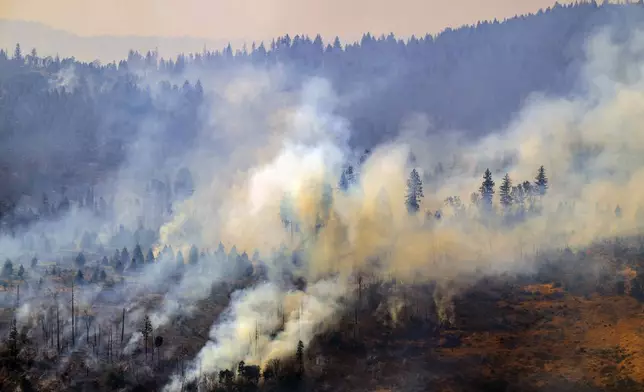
<point x="215" y="22"/>
<point x="267" y="133"/>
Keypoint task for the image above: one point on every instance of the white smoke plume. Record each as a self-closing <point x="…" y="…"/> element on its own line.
<point x="590" y="144"/>
<point x="273" y="149"/>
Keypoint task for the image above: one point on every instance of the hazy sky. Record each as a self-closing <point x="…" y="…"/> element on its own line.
<point x="261" y="19"/>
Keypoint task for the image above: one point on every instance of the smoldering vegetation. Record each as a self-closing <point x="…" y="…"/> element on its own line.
<point x="231" y="221"/>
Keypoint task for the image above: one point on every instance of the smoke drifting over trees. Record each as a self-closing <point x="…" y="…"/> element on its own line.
<point x="141" y="188"/>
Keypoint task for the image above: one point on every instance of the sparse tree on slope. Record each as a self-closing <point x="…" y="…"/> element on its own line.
<point x="487" y="190"/>
<point x="414" y="194"/>
<point x="80" y="260"/>
<point x="541" y="182"/>
<point x="21" y="272"/>
<point x="150" y="257"/>
<point x="125" y="257"/>
<point x="146" y="331"/>
<point x="137" y="257"/>
<point x="347" y="178"/>
<point x="13" y="339"/>
<point x="505" y="192"/>
<point x="299" y="357"/>
<point x="193" y="256"/>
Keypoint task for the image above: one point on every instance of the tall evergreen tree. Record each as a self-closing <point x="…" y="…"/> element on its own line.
<point x="80" y="278"/>
<point x="137" y="256"/>
<point x="541" y="182"/>
<point x="13" y="341"/>
<point x="17" y="53"/>
<point x="146" y="331"/>
<point x="125" y="257"/>
<point x="505" y="192"/>
<point x="487" y="189"/>
<point x="80" y="260"/>
<point x="193" y="256"/>
<point x="299" y="357"/>
<point x="150" y="257"/>
<point x="21" y="272"/>
<point x="347" y="178"/>
<point x="414" y="194"/>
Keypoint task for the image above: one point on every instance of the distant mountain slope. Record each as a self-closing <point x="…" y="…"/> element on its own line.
<point x="473" y="79"/>
<point x="49" y="42"/>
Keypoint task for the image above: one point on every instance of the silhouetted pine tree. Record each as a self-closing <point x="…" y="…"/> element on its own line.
<point x="487" y="190"/>
<point x="347" y="178"/>
<point x="541" y="182"/>
<point x="414" y="194"/>
<point x="504" y="192"/>
<point x="193" y="256"/>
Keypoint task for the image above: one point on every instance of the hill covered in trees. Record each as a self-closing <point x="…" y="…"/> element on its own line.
<point x="69" y="123"/>
<point x="268" y="218"/>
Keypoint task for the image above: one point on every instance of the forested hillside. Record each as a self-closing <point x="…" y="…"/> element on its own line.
<point x="382" y="215"/>
<point x="66" y="123"/>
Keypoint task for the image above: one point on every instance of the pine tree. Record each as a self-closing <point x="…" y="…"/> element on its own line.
<point x="7" y="269"/>
<point x="528" y="189"/>
<point x="193" y="256"/>
<point x="80" y="260"/>
<point x="13" y="339"/>
<point x="150" y="257"/>
<point x="505" y="192"/>
<point x="180" y="259"/>
<point x="17" y="53"/>
<point x="125" y="257"/>
<point x="80" y="278"/>
<point x="221" y="250"/>
<point x="146" y="331"/>
<point x="347" y="178"/>
<point x="487" y="189"/>
<point x="21" y="272"/>
<point x="414" y="194"/>
<point x="137" y="256"/>
<point x="541" y="182"/>
<point x="299" y="356"/>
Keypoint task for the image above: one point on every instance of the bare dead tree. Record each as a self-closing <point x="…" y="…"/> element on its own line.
<point x="73" y="316"/>
<point x="43" y="327"/>
<point x="357" y="307"/>
<point x="110" y="352"/>
<point x="58" y="328"/>
<point x="88" y="322"/>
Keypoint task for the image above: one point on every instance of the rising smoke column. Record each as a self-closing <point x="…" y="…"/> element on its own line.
<point x="590" y="143"/>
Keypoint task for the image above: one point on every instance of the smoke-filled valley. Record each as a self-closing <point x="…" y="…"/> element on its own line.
<point x="457" y="212"/>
